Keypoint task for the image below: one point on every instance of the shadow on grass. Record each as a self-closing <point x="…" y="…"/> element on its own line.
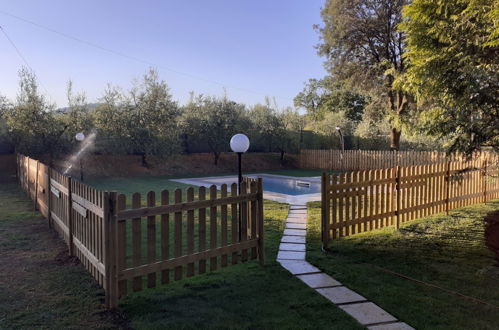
<point x="442" y="251"/>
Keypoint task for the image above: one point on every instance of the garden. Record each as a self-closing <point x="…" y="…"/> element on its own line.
<point x="369" y="199"/>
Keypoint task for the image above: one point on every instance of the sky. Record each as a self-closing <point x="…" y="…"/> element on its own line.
<point x="248" y="49"/>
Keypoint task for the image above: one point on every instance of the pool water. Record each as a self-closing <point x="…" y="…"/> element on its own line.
<point x="290" y="186"/>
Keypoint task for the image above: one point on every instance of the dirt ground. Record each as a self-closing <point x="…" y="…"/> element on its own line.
<point x="178" y="165"/>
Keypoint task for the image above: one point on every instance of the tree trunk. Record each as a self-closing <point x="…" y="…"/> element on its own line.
<point x="216" y="157"/>
<point x="395" y="139"/>
<point x="144" y="160"/>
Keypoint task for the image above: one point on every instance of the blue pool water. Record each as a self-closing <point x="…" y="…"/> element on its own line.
<point x="290" y="186"/>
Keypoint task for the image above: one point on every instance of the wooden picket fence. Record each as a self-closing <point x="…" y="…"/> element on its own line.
<point x="356" y="160"/>
<point x="362" y="201"/>
<point x="127" y="246"/>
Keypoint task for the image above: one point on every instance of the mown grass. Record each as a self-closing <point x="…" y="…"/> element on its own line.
<point x="245" y="296"/>
<point x="40" y="287"/>
<point x="418" y="272"/>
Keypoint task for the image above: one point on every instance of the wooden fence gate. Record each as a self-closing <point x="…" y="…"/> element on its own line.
<point x="363" y="201"/>
<point x="127" y="246"/>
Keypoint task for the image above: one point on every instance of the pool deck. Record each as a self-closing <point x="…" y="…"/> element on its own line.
<point x="218" y="181"/>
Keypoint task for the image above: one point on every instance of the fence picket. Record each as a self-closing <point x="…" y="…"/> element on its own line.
<point x="213" y="227"/>
<point x="361" y="201"/>
<point x="202" y="229"/>
<point x="151" y="239"/>
<point x="136" y="242"/>
<point x="178" y="234"/>
<point x="190" y="231"/>
<point x="165" y="237"/>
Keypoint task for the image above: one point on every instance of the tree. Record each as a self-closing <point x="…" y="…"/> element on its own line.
<point x="325" y="95"/>
<point x="76" y="116"/>
<point x="267" y="124"/>
<point x="213" y="120"/>
<point x="454" y="56"/>
<point x="110" y="119"/>
<point x="145" y="119"/>
<point x="290" y="135"/>
<point x="31" y="121"/>
<point x="152" y="119"/>
<point x="327" y="127"/>
<point x="364" y="50"/>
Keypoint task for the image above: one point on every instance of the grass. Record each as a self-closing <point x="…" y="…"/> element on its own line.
<point x="40" y="286"/>
<point x="45" y="292"/>
<point x="243" y="296"/>
<point x="446" y="253"/>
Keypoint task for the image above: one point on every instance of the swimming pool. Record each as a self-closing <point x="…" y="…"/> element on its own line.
<point x="279" y="188"/>
<point x="290" y="186"/>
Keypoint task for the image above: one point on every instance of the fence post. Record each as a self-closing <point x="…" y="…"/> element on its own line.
<point x="485" y="181"/>
<point x="324" y="211"/>
<point x="70" y="217"/>
<point x="49" y="196"/>
<point x="447" y="188"/>
<point x="397" y="204"/>
<point x="17" y="166"/>
<point x="261" y="246"/>
<point x="36" y="185"/>
<point x="110" y="245"/>
<point x="29" y="178"/>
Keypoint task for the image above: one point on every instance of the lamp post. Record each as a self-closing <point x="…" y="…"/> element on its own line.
<point x="342" y="141"/>
<point x="239" y="144"/>
<point x="80" y="137"/>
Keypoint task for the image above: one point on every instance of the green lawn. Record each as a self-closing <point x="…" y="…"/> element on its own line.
<point x="64" y="295"/>
<point x="242" y="296"/>
<point x="40" y="286"/>
<point x="447" y="253"/>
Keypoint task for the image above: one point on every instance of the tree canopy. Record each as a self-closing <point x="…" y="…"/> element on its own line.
<point x="364" y="50"/>
<point x="453" y="51"/>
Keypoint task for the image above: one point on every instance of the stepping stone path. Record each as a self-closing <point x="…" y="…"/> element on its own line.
<point x="291" y="256"/>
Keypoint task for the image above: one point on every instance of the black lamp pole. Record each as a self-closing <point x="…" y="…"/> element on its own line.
<point x="240" y="177"/>
<point x="240" y="180"/>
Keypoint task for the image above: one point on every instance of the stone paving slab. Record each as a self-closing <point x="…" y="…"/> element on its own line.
<point x="296" y="220"/>
<point x="295" y="232"/>
<point x="368" y="313"/>
<point x="297" y="267"/>
<point x="292" y="247"/>
<point x="296" y="226"/>
<point x="293" y="239"/>
<point x="297" y="212"/>
<point x="320" y="280"/>
<point x="341" y="295"/>
<point x="291" y="255"/>
<point x="391" y="326"/>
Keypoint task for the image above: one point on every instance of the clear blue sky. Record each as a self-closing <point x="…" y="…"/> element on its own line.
<point x="252" y="47"/>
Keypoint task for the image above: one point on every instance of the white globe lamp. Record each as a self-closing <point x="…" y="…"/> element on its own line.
<point x="80" y="136"/>
<point x="239" y="143"/>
